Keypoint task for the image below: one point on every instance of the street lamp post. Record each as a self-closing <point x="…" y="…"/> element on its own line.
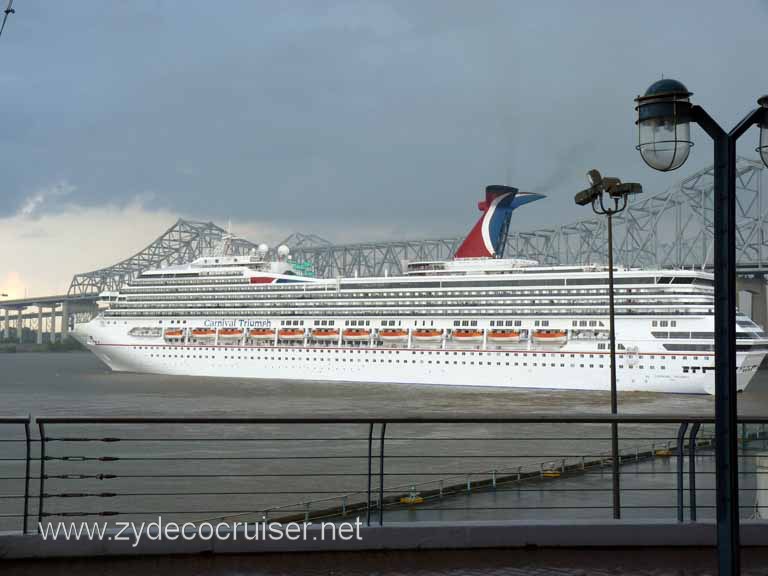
<point x="618" y="194"/>
<point x="664" y="114"/>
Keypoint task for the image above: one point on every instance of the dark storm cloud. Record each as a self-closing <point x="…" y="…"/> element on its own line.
<point x="326" y="113"/>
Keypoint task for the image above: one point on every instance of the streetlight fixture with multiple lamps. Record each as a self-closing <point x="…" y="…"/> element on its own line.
<point x="618" y="196"/>
<point x="664" y="114"/>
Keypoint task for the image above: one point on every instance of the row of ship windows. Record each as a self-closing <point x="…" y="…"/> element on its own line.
<point x="686" y="369"/>
<point x="273" y="294"/>
<point x="399" y="297"/>
<point x="423" y="352"/>
<point x="704" y="335"/>
<point x="697" y="311"/>
<point x="272" y="291"/>
<point x="493" y="323"/>
<point x="405" y="304"/>
<point x="440" y="283"/>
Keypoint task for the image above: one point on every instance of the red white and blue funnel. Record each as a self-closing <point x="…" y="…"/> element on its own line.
<point x="488" y="237"/>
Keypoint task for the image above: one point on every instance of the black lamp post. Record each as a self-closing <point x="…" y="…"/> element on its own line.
<point x="618" y="194"/>
<point x="664" y="114"/>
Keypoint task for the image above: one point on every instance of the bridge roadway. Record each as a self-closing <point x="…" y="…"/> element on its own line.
<point x="61" y="307"/>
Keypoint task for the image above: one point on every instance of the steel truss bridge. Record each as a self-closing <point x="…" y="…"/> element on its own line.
<point x="671" y="229"/>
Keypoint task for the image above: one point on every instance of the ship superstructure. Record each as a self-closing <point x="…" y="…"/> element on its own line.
<point x="476" y="320"/>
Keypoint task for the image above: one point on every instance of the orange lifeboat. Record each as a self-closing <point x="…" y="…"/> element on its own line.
<point x="467" y="335"/>
<point x="428" y="335"/>
<point x="325" y="334"/>
<point x="550" y="337"/>
<point x="393" y="335"/>
<point x="230" y="333"/>
<point x="356" y="335"/>
<point x="504" y="336"/>
<point x="262" y="334"/>
<point x="174" y="333"/>
<point x="203" y="333"/>
<point x="291" y="334"/>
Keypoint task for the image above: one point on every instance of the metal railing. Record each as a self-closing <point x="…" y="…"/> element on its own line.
<point x="9" y="464"/>
<point x="294" y="469"/>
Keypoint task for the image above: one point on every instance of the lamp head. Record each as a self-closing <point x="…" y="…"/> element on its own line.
<point x="663" y="119"/>
<point x="586" y="197"/>
<point x="625" y="189"/>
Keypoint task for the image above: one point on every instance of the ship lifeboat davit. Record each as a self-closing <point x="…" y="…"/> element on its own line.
<point x="262" y="334"/>
<point x="352" y="335"/>
<point x="291" y="334"/>
<point x="174" y="334"/>
<point x="504" y="337"/>
<point x="325" y="334"/>
<point x="393" y="335"/>
<point x="467" y="336"/>
<point x="230" y="333"/>
<point x="203" y="333"/>
<point x="550" y="337"/>
<point x="428" y="335"/>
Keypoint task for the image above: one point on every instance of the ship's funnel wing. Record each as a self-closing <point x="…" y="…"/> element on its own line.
<point x="489" y="235"/>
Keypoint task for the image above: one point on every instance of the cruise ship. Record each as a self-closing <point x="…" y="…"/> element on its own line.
<point x="479" y="319"/>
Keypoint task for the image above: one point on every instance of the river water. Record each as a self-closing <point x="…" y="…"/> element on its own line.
<point x="77" y="384"/>
<point x="269" y="466"/>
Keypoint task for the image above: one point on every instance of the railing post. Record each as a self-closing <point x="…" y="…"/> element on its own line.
<point x="381" y="474"/>
<point x="692" y="469"/>
<point x="743" y="435"/>
<point x="41" y="429"/>
<point x="26" y="474"/>
<point x="370" y="461"/>
<point x="680" y="451"/>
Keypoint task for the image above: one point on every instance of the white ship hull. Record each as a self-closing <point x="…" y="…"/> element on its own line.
<point x="511" y="368"/>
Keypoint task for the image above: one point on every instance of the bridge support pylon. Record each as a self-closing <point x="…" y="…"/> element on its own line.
<point x="64" y="320"/>
<point x="753" y="298"/>
<point x="40" y="325"/>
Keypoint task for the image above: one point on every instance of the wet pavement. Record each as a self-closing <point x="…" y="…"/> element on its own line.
<point x="492" y="562"/>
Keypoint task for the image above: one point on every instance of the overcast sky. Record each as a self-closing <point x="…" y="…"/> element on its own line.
<point x="351" y="120"/>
